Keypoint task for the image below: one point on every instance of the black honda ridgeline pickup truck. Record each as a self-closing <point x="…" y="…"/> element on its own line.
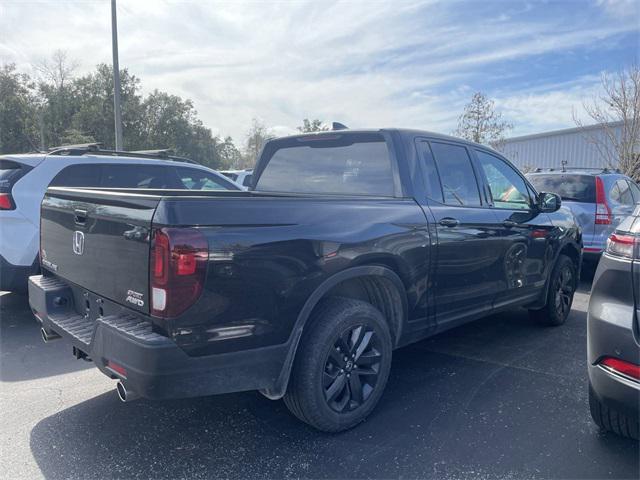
<point x="349" y="244"/>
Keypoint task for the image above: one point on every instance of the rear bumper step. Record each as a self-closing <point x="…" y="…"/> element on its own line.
<point x="149" y="364"/>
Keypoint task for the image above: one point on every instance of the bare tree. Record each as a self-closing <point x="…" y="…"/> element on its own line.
<point x="256" y="137"/>
<point x="617" y="107"/>
<point x="58" y="70"/>
<point x="481" y="123"/>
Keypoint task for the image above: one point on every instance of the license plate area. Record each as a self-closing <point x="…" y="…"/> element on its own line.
<point x="92" y="306"/>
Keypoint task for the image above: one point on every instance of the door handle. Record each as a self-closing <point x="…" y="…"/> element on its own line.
<point x="80" y="216"/>
<point x="449" y="222"/>
<point x="510" y="223"/>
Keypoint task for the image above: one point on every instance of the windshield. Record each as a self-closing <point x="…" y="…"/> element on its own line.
<point x="570" y="187"/>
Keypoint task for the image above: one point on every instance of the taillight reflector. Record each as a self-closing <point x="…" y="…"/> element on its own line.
<point x="117" y="368"/>
<point x="603" y="212"/>
<point x="620" y="366"/>
<point x="178" y="267"/>
<point x="6" y="203"/>
<point x="622" y="245"/>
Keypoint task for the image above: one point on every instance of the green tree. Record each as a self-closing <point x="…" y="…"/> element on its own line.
<point x="18" y="112"/>
<point x="94" y="114"/>
<point x="481" y="123"/>
<point x="314" y="125"/>
<point x="61" y="109"/>
<point x="168" y="121"/>
<point x="230" y="156"/>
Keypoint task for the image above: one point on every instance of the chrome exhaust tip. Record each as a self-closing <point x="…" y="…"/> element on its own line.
<point x="125" y="395"/>
<point x="48" y="335"/>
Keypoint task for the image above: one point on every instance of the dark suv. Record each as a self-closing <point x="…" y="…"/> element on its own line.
<point x="614" y="332"/>
<point x="350" y="244"/>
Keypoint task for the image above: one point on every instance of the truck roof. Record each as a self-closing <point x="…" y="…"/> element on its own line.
<point x="405" y="132"/>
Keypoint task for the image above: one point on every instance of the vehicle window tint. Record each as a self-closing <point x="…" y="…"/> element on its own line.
<point x="614" y="193"/>
<point x="85" y="175"/>
<point x="195" y="179"/>
<point x="10" y="173"/>
<point x="457" y="177"/>
<point x="635" y="191"/>
<point x="570" y="187"/>
<point x="431" y="177"/>
<point x="137" y="176"/>
<point x="622" y="192"/>
<point x="350" y="164"/>
<point x="247" y="180"/>
<point x="508" y="188"/>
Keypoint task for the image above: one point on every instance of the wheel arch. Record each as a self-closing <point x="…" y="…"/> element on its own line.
<point x="382" y="283"/>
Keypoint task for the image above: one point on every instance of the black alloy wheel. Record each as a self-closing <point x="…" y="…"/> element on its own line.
<point x="351" y="368"/>
<point x="564" y="288"/>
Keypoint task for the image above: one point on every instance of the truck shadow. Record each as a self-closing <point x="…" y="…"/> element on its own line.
<point x="24" y="355"/>
<point x="499" y="397"/>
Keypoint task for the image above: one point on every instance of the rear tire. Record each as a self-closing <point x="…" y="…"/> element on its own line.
<point x="562" y="287"/>
<point x="325" y="390"/>
<point x="611" y="420"/>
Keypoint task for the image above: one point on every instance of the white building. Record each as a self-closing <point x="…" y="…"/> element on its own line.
<point x="550" y="149"/>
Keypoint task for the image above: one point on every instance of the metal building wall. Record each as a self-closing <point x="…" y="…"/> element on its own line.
<point x="549" y="149"/>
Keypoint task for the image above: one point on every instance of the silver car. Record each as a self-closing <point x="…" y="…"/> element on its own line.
<point x="599" y="199"/>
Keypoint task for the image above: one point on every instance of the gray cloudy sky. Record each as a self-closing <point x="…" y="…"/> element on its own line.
<point x="374" y="63"/>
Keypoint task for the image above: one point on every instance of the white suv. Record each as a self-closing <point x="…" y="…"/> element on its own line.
<point x="25" y="178"/>
<point x="241" y="177"/>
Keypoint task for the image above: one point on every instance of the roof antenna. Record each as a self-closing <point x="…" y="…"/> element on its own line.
<point x="338" y="126"/>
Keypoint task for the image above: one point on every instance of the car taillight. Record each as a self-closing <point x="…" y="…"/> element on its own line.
<point x="178" y="268"/>
<point x="622" y="245"/>
<point x="6" y="202"/>
<point x="603" y="212"/>
<point x="620" y="366"/>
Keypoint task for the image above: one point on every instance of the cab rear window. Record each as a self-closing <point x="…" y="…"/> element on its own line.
<point x="571" y="188"/>
<point x="349" y="164"/>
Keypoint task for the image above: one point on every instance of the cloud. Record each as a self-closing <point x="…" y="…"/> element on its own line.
<point x="402" y="63"/>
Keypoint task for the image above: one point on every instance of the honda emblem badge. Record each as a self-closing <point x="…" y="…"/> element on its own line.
<point x="78" y="242"/>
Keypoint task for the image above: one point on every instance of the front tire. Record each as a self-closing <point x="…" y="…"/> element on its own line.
<point x="562" y="287"/>
<point x="341" y="366"/>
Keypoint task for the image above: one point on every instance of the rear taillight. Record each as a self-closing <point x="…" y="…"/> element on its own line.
<point x="178" y="269"/>
<point x="6" y="202"/>
<point x="620" y="366"/>
<point x="622" y="245"/>
<point x="603" y="212"/>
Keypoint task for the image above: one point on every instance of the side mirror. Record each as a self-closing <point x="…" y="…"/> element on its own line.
<point x="549" y="202"/>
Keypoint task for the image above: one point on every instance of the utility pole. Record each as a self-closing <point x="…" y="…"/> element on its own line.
<point x="116" y="77"/>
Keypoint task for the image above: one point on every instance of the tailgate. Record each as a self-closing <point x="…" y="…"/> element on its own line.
<point x="585" y="214"/>
<point x="100" y="241"/>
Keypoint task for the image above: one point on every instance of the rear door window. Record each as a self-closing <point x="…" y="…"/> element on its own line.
<point x="431" y="177"/>
<point x="138" y="176"/>
<point x="635" y="191"/>
<point x="457" y="178"/>
<point x="347" y="164"/>
<point x="621" y="193"/>
<point x="196" y="179"/>
<point x="570" y="187"/>
<point x="84" y="175"/>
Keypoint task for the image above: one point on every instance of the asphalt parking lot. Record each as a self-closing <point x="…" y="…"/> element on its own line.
<point x="498" y="398"/>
